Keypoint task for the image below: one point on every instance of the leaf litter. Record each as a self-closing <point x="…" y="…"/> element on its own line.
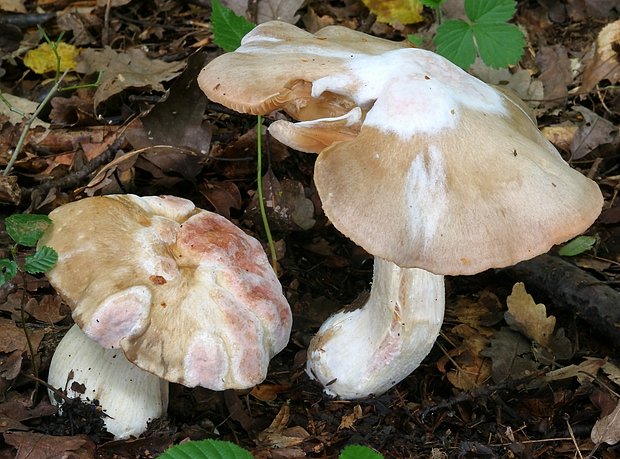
<point x="502" y="375"/>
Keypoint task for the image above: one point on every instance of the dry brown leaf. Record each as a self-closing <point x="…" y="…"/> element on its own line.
<point x="612" y="372"/>
<point x="35" y="445"/>
<point x="131" y="69"/>
<point x="605" y="61"/>
<point x="510" y="355"/>
<point x="348" y="420"/>
<point x="527" y="317"/>
<point x="593" y="132"/>
<point x="278" y="435"/>
<point x="470" y="369"/>
<point x="607" y="429"/>
<point x="561" y="135"/>
<point x="584" y="372"/>
<point x="268" y="392"/>
<point x="396" y="11"/>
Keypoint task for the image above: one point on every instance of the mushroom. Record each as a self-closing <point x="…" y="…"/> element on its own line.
<point x="182" y="292"/>
<point x="419" y="163"/>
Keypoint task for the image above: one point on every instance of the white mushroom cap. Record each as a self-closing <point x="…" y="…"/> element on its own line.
<point x="130" y="397"/>
<point x="183" y="292"/>
<point x="420" y="163"/>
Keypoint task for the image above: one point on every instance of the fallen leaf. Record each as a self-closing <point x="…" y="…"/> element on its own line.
<point x="348" y="420"/>
<point x="555" y="74"/>
<point x="31" y="445"/>
<point x="561" y="135"/>
<point x="612" y="372"/>
<point x="268" y="10"/>
<point x="13" y="6"/>
<point x="278" y="435"/>
<point x="603" y="62"/>
<point x="584" y="372"/>
<point x="607" y="429"/>
<point x="223" y="196"/>
<point x="527" y="317"/>
<point x="268" y="392"/>
<point x="396" y="11"/>
<point x="519" y="81"/>
<point x="470" y="368"/>
<point x="122" y="70"/>
<point x="510" y="356"/>
<point x="593" y="132"/>
<point x="43" y="59"/>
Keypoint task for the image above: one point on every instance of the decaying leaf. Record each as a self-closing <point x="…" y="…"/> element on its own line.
<point x="605" y="58"/>
<point x="520" y="81"/>
<point x="527" y="317"/>
<point x="279" y="10"/>
<point x="585" y="371"/>
<point x="470" y="368"/>
<point x="593" y="132"/>
<point x="612" y="372"/>
<point x="278" y="435"/>
<point x="396" y="11"/>
<point x="607" y="429"/>
<point x="561" y="135"/>
<point x="510" y="355"/>
<point x="131" y="69"/>
<point x="348" y="420"/>
<point x="31" y="444"/>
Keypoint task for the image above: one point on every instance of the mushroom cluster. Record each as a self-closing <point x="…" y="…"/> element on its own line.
<point x="426" y="167"/>
<point x="179" y="292"/>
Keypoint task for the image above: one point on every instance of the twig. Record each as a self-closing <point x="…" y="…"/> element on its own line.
<point x="28" y="125"/>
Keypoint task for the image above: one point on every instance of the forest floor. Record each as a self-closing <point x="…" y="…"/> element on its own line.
<point x="486" y="390"/>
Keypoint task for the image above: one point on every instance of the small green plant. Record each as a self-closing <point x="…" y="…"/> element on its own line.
<point x="228" y="28"/>
<point x="578" y="246"/>
<point x="218" y="449"/>
<point x="26" y="230"/>
<point x="486" y="33"/>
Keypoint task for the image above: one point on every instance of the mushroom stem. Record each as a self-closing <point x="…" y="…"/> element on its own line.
<point x="129" y="396"/>
<point x="368" y="350"/>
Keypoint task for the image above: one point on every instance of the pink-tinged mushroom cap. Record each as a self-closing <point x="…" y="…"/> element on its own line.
<point x="183" y="292"/>
<point x="419" y="162"/>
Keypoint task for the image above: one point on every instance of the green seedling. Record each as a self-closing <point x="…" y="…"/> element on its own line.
<point x="218" y="449"/>
<point x="228" y="30"/>
<point x="485" y="33"/>
<point x="25" y="230"/>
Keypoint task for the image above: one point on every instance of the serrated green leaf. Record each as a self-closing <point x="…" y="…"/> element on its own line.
<point x="206" y="449"/>
<point x="577" y="246"/>
<point x="490" y="11"/>
<point x="454" y="41"/>
<point x="41" y="261"/>
<point x="499" y="45"/>
<point x="8" y="270"/>
<point x="228" y="28"/>
<point x="359" y="452"/>
<point x="26" y="229"/>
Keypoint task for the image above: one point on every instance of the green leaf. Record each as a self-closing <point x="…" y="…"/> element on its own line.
<point x="490" y="10"/>
<point x="416" y="40"/>
<point x="499" y="45"/>
<point x="578" y="245"/>
<point x="26" y="229"/>
<point x="455" y="42"/>
<point x="41" y="261"/>
<point x="359" y="452"/>
<point x="206" y="449"/>
<point x="228" y="28"/>
<point x="432" y="3"/>
<point x="8" y="270"/>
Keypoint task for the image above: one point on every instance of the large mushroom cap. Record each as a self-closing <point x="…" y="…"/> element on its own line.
<point x="248" y="81"/>
<point x="183" y="292"/>
<point x="419" y="162"/>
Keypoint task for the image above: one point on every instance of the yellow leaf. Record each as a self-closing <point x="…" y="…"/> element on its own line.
<point x="393" y="11"/>
<point x="527" y="317"/>
<point x="43" y="60"/>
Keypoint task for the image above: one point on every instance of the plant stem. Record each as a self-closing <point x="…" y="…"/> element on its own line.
<point x="22" y="137"/>
<point x="261" y="201"/>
